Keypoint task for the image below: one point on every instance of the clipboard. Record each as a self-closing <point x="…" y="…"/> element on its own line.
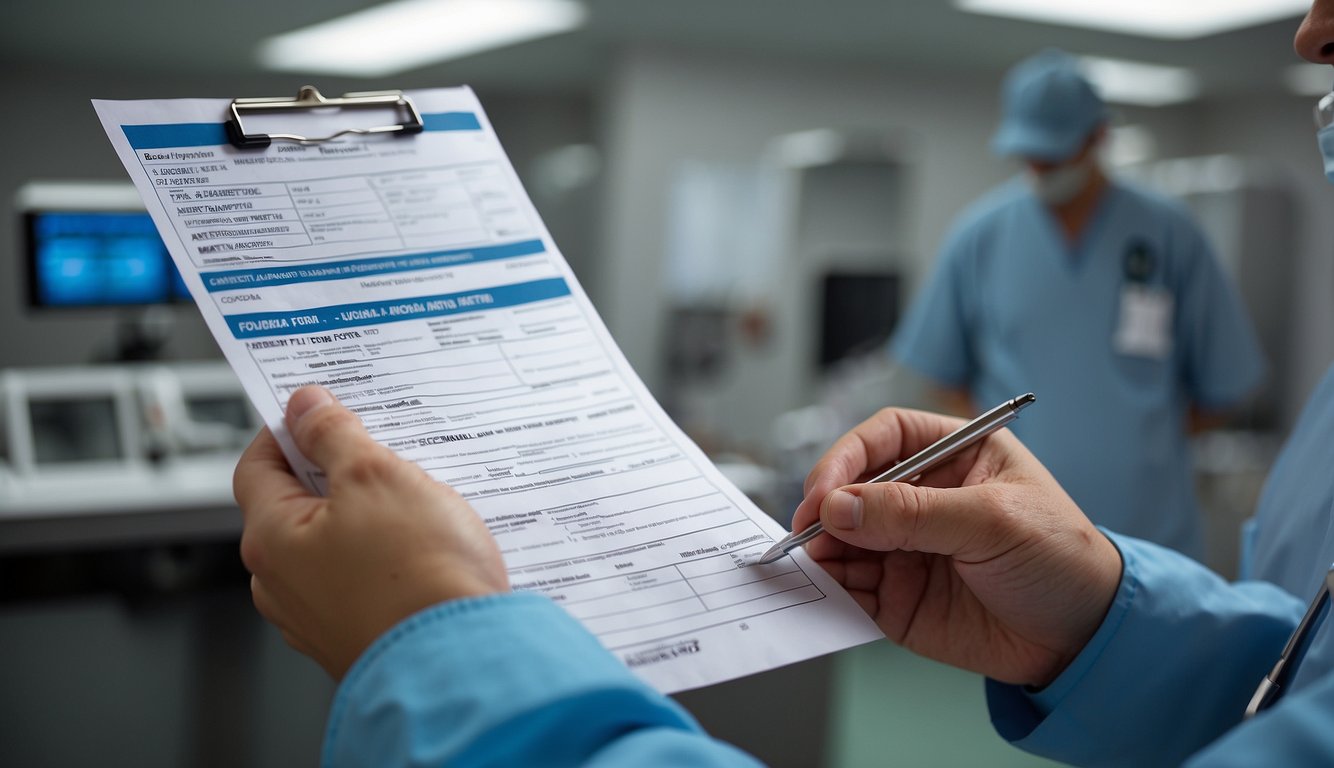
<point x="309" y="97"/>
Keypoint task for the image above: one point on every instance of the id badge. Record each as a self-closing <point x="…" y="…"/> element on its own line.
<point x="1145" y="325"/>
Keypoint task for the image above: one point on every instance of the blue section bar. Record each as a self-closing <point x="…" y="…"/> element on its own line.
<point x="175" y="135"/>
<point x="240" y="279"/>
<point x="451" y="121"/>
<point x="260" y="324"/>
<point x="215" y="134"/>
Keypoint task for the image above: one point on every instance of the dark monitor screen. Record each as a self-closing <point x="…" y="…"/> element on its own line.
<point x="74" y="429"/>
<point x="98" y="259"/>
<point x="232" y="410"/>
<point x="858" y="313"/>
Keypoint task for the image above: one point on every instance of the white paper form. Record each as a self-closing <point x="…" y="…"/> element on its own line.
<point x="413" y="278"/>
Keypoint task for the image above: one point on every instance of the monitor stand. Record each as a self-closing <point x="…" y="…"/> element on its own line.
<point x="142" y="332"/>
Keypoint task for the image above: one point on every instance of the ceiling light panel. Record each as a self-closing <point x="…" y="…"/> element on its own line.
<point x="1140" y="84"/>
<point x="1171" y="19"/>
<point x="408" y="34"/>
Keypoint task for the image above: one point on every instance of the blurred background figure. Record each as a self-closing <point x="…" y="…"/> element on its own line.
<point x="1103" y="298"/>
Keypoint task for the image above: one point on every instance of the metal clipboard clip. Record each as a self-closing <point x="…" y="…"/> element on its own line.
<point x="309" y="97"/>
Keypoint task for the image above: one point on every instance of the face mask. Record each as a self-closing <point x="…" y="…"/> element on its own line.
<point x="1060" y="185"/>
<point x="1325" y="137"/>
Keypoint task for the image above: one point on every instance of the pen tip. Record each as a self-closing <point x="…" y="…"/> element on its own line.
<point x="770" y="555"/>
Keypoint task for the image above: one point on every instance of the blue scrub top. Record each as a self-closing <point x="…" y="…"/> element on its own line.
<point x="1290" y="542"/>
<point x="1012" y="307"/>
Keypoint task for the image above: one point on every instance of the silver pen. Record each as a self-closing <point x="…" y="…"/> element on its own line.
<point x="928" y="458"/>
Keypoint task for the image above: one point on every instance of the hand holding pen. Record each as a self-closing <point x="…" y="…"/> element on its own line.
<point x="928" y="458"/>
<point x="984" y="562"/>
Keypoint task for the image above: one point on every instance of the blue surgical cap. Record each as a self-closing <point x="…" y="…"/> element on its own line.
<point x="1048" y="109"/>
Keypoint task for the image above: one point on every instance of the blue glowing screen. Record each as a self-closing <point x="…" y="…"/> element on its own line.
<point x="99" y="258"/>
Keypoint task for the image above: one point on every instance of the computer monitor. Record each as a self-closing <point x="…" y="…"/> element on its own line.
<point x="88" y="245"/>
<point x="858" y="311"/>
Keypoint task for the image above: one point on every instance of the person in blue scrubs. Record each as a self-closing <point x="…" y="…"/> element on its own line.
<point x="1103" y="298"/>
<point x="1101" y="649"/>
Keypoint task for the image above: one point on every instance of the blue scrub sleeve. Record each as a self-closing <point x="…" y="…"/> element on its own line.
<point x="501" y="681"/>
<point x="1223" y="360"/>
<point x="934" y="337"/>
<point x="1170" y="669"/>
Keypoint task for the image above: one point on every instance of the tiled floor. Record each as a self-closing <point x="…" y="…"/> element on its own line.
<point x="895" y="709"/>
